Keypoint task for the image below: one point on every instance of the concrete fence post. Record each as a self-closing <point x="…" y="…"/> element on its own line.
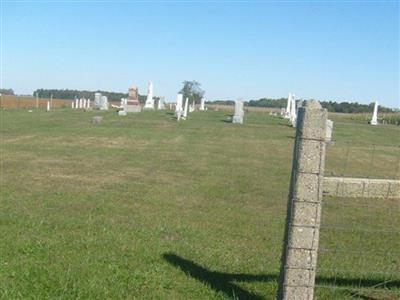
<point x="299" y="255"/>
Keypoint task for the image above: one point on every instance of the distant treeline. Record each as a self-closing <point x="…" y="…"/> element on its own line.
<point x="332" y="106"/>
<point x="7" y="92"/>
<point x="71" y="94"/>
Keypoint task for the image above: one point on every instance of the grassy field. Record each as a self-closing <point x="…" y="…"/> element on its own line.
<point x="145" y="207"/>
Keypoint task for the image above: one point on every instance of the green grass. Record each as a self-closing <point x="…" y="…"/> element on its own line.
<point x="145" y="207"/>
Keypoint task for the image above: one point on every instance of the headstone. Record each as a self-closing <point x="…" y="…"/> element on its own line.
<point x="149" y="101"/>
<point x="88" y="103"/>
<point x="329" y="130"/>
<point x="97" y="120"/>
<point x="239" y="112"/>
<point x="97" y="100"/>
<point x="374" y="120"/>
<point x="178" y="107"/>
<point x="48" y="106"/>
<point x="132" y="104"/>
<point x="104" y="103"/>
<point x="288" y="107"/>
<point x="293" y="111"/>
<point x="160" y="104"/>
<point x="203" y="100"/>
<point x="122" y="113"/>
<point x="72" y="104"/>
<point x="80" y="103"/>
<point x="76" y="103"/>
<point x="185" y="111"/>
<point x="84" y="102"/>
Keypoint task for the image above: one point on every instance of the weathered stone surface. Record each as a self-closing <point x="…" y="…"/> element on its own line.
<point x="298" y="293"/>
<point x="239" y="112"/>
<point x="133" y="93"/>
<point x="309" y="156"/>
<point x="303" y="237"/>
<point x="329" y="130"/>
<point x="308" y="186"/>
<point x="297" y="277"/>
<point x="305" y="213"/>
<point x="361" y="187"/>
<point x="299" y="257"/>
<point x="302" y="259"/>
<point x="132" y="104"/>
<point x="97" y="120"/>
<point x="122" y="113"/>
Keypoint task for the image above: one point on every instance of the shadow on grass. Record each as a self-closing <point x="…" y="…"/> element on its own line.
<point x="216" y="280"/>
<point x="223" y="282"/>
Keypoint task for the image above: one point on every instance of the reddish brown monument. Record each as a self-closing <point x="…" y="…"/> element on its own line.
<point x="133" y="104"/>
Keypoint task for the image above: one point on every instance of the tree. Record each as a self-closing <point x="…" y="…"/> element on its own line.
<point x="71" y="94"/>
<point x="7" y="92"/>
<point x="192" y="90"/>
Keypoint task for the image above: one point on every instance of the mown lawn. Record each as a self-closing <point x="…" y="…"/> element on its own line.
<point x="145" y="207"/>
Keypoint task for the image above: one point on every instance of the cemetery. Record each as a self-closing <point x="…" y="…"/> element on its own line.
<point x="223" y="150"/>
<point x="190" y="209"/>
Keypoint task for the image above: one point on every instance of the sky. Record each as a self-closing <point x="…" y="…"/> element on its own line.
<point x="339" y="50"/>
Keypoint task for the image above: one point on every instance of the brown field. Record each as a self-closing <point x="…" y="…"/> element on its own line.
<point x="30" y="102"/>
<point x="11" y="102"/>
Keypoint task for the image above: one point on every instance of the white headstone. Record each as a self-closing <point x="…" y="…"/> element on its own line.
<point x="293" y="111"/>
<point x="288" y="107"/>
<point x="161" y="104"/>
<point x="104" y="103"/>
<point x="185" y="111"/>
<point x="88" y="103"/>
<point x="239" y="112"/>
<point x="203" y="100"/>
<point x="149" y="101"/>
<point x="97" y="100"/>
<point x="72" y="104"/>
<point x="374" y="120"/>
<point x="329" y="130"/>
<point x="84" y="102"/>
<point x="48" y="106"/>
<point x="178" y="107"/>
<point x="76" y="103"/>
<point x="122" y="113"/>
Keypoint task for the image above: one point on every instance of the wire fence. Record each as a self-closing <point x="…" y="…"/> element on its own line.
<point x="359" y="247"/>
<point x="342" y="233"/>
<point x="363" y="161"/>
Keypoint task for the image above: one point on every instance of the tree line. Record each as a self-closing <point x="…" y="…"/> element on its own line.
<point x="331" y="106"/>
<point x="192" y="90"/>
<point x="7" y="92"/>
